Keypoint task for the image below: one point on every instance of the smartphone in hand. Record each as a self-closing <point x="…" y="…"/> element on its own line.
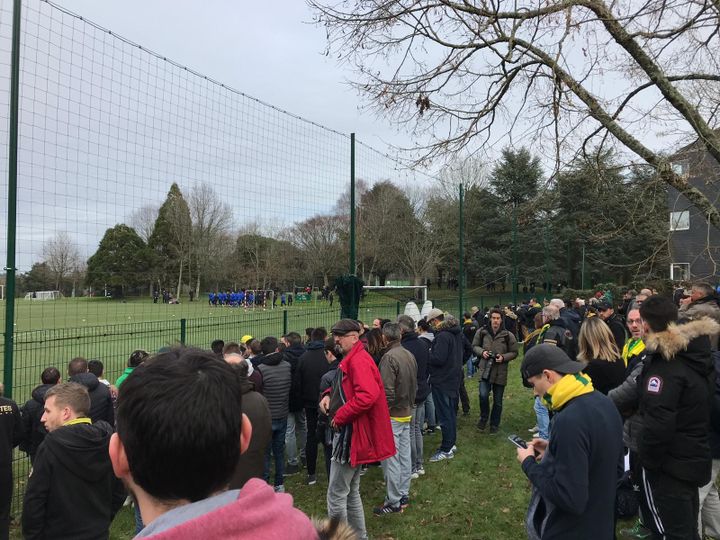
<point x="517" y="441"/>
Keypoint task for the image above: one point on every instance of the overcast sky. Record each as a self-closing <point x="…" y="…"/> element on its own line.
<point x="106" y="127"/>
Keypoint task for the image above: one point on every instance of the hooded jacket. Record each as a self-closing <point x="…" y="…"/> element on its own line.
<point x="11" y="434"/>
<point x="365" y="408"/>
<point x="33" y="428"/>
<point x="675" y="397"/>
<point x="559" y="334"/>
<point x="277" y="379"/>
<point x="708" y="306"/>
<point x="446" y="357"/>
<point x="420" y="349"/>
<point x="255" y="511"/>
<point x="72" y="492"/>
<point x="312" y="365"/>
<point x="625" y="397"/>
<point x="101" y="405"/>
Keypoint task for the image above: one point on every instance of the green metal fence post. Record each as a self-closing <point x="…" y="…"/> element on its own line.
<point x="397" y="308"/>
<point x="461" y="254"/>
<point x="12" y="202"/>
<point x="183" y="330"/>
<point x="285" y="322"/>
<point x="351" y="264"/>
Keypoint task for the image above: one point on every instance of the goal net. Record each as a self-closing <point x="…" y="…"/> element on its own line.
<point x="43" y="295"/>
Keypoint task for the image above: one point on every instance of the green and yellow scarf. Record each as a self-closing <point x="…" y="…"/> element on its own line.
<point x="570" y="386"/>
<point x="632" y="347"/>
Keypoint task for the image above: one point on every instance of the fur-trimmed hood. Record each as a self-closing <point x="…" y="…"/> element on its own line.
<point x="678" y="337"/>
<point x="333" y="529"/>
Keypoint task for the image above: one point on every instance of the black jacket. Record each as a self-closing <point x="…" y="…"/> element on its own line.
<point x="421" y="351"/>
<point x="312" y="365"/>
<point x="606" y="375"/>
<point x="572" y="321"/>
<point x="559" y="334"/>
<point x="72" y="492"/>
<point x="574" y="485"/>
<point x="446" y="358"/>
<point x="617" y="327"/>
<point x="277" y="379"/>
<point x="11" y="433"/>
<point x="292" y="355"/>
<point x="101" y="405"/>
<point x="33" y="428"/>
<point x="676" y="386"/>
<point x="714" y="433"/>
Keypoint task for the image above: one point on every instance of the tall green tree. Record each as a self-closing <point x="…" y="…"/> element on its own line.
<point x="171" y="239"/>
<point x="122" y="261"/>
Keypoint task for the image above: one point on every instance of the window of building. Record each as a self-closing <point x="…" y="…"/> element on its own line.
<point x="680" y="221"/>
<point x="680" y="271"/>
<point x="680" y="168"/>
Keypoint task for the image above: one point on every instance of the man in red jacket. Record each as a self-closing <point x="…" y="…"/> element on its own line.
<point x="359" y="412"/>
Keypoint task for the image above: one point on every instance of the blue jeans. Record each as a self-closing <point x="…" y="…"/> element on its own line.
<point x="430" y="411"/>
<point x="277" y="447"/>
<point x="416" y="438"/>
<point x="296" y="424"/>
<point x="470" y="366"/>
<point x="484" y="391"/>
<point x="445" y="406"/>
<point x="543" y="419"/>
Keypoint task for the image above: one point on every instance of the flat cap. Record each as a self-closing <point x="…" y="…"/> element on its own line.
<point x="345" y="326"/>
<point x="434" y="314"/>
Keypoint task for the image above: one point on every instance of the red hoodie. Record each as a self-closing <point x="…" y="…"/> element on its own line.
<point x="258" y="512"/>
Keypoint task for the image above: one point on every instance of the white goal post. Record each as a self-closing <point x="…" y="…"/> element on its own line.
<point x="398" y="287"/>
<point x="43" y="295"/>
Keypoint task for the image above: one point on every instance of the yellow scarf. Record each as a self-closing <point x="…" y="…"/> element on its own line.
<point x="81" y="420"/>
<point x="541" y="334"/>
<point x="570" y="386"/>
<point x="632" y="347"/>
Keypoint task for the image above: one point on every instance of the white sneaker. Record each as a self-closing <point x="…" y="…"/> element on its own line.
<point x="454" y="449"/>
<point x="420" y="471"/>
<point x="414" y="475"/>
<point x="280" y="489"/>
<point x="533" y="429"/>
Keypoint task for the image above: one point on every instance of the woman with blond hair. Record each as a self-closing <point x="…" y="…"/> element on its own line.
<point x="599" y="352"/>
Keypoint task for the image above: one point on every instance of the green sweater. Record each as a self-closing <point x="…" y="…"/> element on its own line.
<point x="121" y="378"/>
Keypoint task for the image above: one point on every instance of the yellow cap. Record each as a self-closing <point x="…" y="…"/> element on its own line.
<point x="245" y="339"/>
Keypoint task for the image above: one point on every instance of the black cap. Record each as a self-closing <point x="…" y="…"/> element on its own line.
<point x="547" y="356"/>
<point x="345" y="326"/>
<point x="603" y="305"/>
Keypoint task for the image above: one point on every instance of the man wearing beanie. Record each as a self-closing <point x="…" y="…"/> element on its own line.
<point x="574" y="474"/>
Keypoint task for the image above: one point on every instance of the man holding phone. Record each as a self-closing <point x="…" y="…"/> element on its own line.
<point x="574" y="474"/>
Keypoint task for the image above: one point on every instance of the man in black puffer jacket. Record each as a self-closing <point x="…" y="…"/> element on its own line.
<point x="421" y="351"/>
<point x="32" y="412"/>
<point x="445" y="363"/>
<point x="311" y="367"/>
<point x="676" y="390"/>
<point x="101" y="405"/>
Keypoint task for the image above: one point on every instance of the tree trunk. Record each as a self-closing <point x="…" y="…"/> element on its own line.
<point x="197" y="285"/>
<point x="179" y="285"/>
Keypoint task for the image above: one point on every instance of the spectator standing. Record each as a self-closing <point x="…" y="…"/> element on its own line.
<point x="494" y="347"/>
<point x="72" y="491"/>
<point x="575" y="481"/>
<point x="296" y="433"/>
<point x="33" y="429"/>
<point x="398" y="370"/>
<point x="136" y="358"/>
<point x="599" y="352"/>
<point x="702" y="302"/>
<point x="179" y="476"/>
<point x="676" y="393"/>
<point x="615" y="323"/>
<point x="362" y="422"/>
<point x="312" y="365"/>
<point x="445" y="371"/>
<point x="277" y="379"/>
<point x="101" y="404"/>
<point x="420" y="349"/>
<point x="11" y="434"/>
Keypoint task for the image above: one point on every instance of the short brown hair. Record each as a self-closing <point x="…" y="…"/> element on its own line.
<point x="71" y="395"/>
<point x="232" y="348"/>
